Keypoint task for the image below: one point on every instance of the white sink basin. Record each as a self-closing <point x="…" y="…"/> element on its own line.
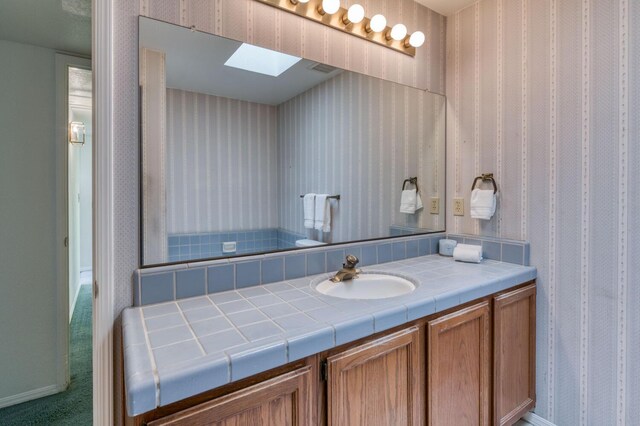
<point x="367" y="286"/>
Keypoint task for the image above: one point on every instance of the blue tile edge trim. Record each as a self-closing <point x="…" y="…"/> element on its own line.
<point x="426" y="241"/>
<point x="511" y="251"/>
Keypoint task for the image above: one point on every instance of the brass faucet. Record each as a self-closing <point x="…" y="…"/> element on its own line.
<point x="348" y="271"/>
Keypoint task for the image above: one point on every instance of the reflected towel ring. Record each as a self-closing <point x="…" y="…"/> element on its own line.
<point x="411" y="181"/>
<point x="484" y="178"/>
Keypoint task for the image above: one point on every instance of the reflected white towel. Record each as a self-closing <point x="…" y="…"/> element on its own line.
<point x="309" y="205"/>
<point x="467" y="253"/>
<point x="323" y="213"/>
<point x="483" y="204"/>
<point x="410" y="201"/>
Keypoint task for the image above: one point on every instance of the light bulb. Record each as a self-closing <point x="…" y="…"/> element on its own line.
<point x="398" y="32"/>
<point x="330" y="6"/>
<point x="416" y="39"/>
<point x="377" y="24"/>
<point x="354" y="15"/>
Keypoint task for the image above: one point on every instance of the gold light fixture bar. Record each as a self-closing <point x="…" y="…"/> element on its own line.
<point x="312" y="10"/>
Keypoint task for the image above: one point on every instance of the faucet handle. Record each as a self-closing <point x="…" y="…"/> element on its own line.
<point x="352" y="261"/>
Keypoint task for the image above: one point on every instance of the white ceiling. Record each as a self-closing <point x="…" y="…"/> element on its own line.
<point x="63" y="25"/>
<point x="195" y="62"/>
<point x="446" y="7"/>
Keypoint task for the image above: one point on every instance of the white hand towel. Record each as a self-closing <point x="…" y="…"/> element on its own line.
<point x="323" y="213"/>
<point x="409" y="201"/>
<point x="418" y="201"/>
<point x="483" y="204"/>
<point x="309" y="205"/>
<point x="467" y="253"/>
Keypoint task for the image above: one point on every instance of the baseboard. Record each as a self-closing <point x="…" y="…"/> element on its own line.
<point x="72" y="308"/>
<point x="536" y="420"/>
<point x="29" y="395"/>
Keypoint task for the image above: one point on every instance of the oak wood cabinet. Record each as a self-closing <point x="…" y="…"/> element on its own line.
<point x="459" y="367"/>
<point x="514" y="337"/>
<point x="471" y="365"/>
<point x="377" y="383"/>
<point x="283" y="400"/>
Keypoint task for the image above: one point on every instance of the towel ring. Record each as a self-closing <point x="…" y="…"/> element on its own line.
<point x="411" y="181"/>
<point x="484" y="178"/>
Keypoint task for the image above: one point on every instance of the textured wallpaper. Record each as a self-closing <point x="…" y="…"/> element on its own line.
<point x="540" y="92"/>
<point x="244" y="20"/>
<point x="221" y="164"/>
<point x="361" y="137"/>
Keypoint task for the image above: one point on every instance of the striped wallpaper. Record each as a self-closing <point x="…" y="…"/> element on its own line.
<point x="360" y="137"/>
<point x="222" y="171"/>
<point x="235" y="165"/>
<point x="540" y="92"/>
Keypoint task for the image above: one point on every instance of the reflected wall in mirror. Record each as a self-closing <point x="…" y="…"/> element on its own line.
<point x="233" y="135"/>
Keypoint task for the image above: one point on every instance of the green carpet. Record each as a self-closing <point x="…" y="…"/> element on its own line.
<point x="73" y="406"/>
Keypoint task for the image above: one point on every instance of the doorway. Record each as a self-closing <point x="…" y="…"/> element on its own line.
<point x="79" y="183"/>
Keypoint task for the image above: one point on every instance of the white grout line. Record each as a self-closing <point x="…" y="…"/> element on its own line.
<point x="191" y="331"/>
<point x="154" y="367"/>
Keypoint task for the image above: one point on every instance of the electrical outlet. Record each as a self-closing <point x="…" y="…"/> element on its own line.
<point x="229" y="247"/>
<point x="458" y="206"/>
<point x="435" y="205"/>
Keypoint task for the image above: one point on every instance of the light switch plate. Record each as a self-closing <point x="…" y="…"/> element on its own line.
<point x="458" y="206"/>
<point x="434" y="205"/>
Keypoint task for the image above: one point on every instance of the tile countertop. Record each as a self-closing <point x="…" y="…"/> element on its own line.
<point x="178" y="349"/>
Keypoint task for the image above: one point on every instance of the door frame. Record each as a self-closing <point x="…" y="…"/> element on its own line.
<point x="103" y="212"/>
<point x="62" y="64"/>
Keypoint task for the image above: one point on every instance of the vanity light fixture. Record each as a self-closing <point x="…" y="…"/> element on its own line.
<point x="377" y="24"/>
<point x="77" y="132"/>
<point x="398" y="32"/>
<point x="329" y="6"/>
<point x="354" y="15"/>
<point x="353" y="20"/>
<point x="416" y="39"/>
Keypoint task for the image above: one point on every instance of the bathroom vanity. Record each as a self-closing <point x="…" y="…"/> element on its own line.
<point x="231" y="326"/>
<point x="470" y="361"/>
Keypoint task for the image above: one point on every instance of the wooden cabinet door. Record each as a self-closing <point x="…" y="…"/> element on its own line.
<point x="284" y="400"/>
<point x="514" y="365"/>
<point x="459" y="365"/>
<point x="377" y="383"/>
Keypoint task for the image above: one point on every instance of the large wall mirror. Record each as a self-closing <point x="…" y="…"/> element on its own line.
<point x="233" y="136"/>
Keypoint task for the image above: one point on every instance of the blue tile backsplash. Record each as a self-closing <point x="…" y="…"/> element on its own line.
<point x="190" y="283"/>
<point x="165" y="283"/>
<point x="183" y="247"/>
